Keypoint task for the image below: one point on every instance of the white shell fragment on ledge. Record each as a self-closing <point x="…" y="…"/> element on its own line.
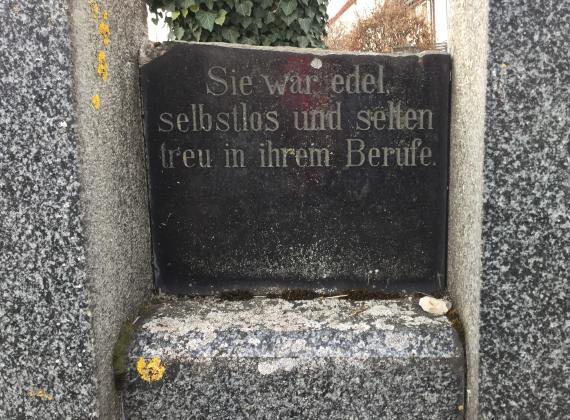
<point x="435" y="306"/>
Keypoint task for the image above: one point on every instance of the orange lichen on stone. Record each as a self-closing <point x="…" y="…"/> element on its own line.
<point x="41" y="394"/>
<point x="150" y="371"/>
<point x="102" y="67"/>
<point x="104" y="29"/>
<point x="102" y="71"/>
<point x="105" y="32"/>
<point x="94" y="8"/>
<point x="96" y="102"/>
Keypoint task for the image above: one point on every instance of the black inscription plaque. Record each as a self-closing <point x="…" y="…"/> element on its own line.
<point x="284" y="168"/>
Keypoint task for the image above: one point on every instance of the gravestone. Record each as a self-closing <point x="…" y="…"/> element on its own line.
<point x="278" y="168"/>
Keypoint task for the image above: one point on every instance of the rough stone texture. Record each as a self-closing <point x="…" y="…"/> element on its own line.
<point x="526" y="220"/>
<point x="468" y="48"/>
<point x="516" y="356"/>
<point x="74" y="246"/>
<point x="46" y="340"/>
<point x="326" y="358"/>
<point x="114" y="197"/>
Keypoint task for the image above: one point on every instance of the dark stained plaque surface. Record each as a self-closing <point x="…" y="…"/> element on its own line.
<point x="285" y="168"/>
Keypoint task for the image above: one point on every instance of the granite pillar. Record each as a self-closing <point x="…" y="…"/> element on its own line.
<point x="526" y="219"/>
<point x="510" y="124"/>
<point x="74" y="241"/>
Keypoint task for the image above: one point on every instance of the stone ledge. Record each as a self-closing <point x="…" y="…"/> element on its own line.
<point x="325" y="358"/>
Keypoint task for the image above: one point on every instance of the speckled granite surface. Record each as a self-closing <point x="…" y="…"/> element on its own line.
<point x="114" y="200"/>
<point x="46" y="367"/>
<point x="269" y="358"/>
<point x="524" y="369"/>
<point x="468" y="47"/>
<point x="74" y="237"/>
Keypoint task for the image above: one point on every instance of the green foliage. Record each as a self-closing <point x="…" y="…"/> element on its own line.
<point x="299" y="23"/>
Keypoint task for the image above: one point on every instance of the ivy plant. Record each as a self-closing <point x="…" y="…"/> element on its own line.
<point x="299" y="23"/>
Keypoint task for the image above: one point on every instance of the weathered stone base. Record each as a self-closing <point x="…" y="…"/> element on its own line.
<point x="268" y="358"/>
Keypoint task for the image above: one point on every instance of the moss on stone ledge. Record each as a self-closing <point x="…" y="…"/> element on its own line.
<point x="126" y="334"/>
<point x="125" y="337"/>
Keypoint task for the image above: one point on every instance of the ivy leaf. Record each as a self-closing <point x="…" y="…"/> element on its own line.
<point x="259" y="13"/>
<point x="305" y="25"/>
<point x="170" y="6"/>
<point x="185" y="4"/>
<point x="230" y="35"/>
<point x="249" y="41"/>
<point x="288" y="7"/>
<point x="245" y="21"/>
<point x="266" y="3"/>
<point x="178" y="32"/>
<point x="270" y="18"/>
<point x="184" y="12"/>
<point x="206" y="19"/>
<point x="303" y="41"/>
<point x="244" y="8"/>
<point x="194" y="8"/>
<point x="269" y="39"/>
<point x="210" y="4"/>
<point x="221" y="17"/>
<point x="289" y="19"/>
<point x="174" y="15"/>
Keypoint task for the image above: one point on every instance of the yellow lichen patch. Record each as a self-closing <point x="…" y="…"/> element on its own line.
<point x="96" y="102"/>
<point x="102" y="67"/>
<point x="105" y="32"/>
<point x="102" y="71"/>
<point x="104" y="29"/>
<point x="150" y="371"/>
<point x="94" y="8"/>
<point x="41" y="394"/>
